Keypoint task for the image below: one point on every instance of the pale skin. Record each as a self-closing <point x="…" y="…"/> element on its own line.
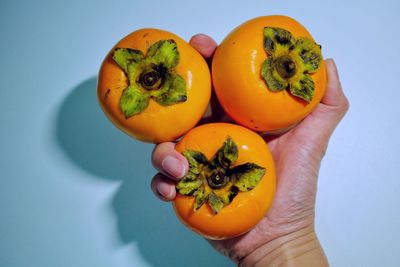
<point x="285" y="236"/>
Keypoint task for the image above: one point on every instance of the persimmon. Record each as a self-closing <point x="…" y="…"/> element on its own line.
<point x="269" y="73"/>
<point x="230" y="183"/>
<point x="154" y="86"/>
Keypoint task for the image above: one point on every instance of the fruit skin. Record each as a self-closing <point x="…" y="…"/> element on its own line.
<point x="242" y="91"/>
<point x="247" y="208"/>
<point x="156" y="123"/>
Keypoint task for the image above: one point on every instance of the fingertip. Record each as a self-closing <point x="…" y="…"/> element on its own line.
<point x="204" y="44"/>
<point x="169" y="161"/>
<point x="163" y="188"/>
<point x="174" y="166"/>
<point x="332" y="68"/>
<point x="330" y="61"/>
<point x="165" y="191"/>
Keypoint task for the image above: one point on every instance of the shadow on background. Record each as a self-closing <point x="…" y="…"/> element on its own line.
<point x="95" y="145"/>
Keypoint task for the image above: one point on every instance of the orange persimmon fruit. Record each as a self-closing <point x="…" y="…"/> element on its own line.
<point x="231" y="180"/>
<point x="268" y="73"/>
<point x="154" y="86"/>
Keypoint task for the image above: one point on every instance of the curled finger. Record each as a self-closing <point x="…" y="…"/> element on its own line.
<point x="169" y="161"/>
<point x="163" y="187"/>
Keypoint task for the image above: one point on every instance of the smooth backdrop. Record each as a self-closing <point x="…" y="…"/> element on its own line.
<point x="74" y="191"/>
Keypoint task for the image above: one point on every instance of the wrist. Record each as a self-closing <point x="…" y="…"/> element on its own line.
<point x="299" y="248"/>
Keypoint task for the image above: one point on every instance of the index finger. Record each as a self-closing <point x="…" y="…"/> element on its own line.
<point x="204" y="44"/>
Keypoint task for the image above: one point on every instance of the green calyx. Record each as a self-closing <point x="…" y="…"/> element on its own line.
<point x="216" y="181"/>
<point x="290" y="62"/>
<point x="151" y="76"/>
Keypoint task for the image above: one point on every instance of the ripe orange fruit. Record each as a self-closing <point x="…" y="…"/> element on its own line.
<point x="230" y="183"/>
<point x="268" y="73"/>
<point x="154" y="86"/>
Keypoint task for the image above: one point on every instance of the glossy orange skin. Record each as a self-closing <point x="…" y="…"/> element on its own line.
<point x="156" y="123"/>
<point x="247" y="208"/>
<point x="241" y="90"/>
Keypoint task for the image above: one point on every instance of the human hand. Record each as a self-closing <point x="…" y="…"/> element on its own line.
<point x="287" y="230"/>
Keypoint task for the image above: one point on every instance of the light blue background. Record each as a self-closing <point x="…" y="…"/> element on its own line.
<point x="74" y="191"/>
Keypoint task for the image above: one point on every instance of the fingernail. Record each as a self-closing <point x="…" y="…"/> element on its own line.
<point x="165" y="190"/>
<point x="173" y="166"/>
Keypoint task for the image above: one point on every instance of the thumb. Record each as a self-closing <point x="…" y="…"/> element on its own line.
<point x="320" y="124"/>
<point x="334" y="95"/>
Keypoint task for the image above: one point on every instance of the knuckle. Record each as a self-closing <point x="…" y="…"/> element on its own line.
<point x="346" y="104"/>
